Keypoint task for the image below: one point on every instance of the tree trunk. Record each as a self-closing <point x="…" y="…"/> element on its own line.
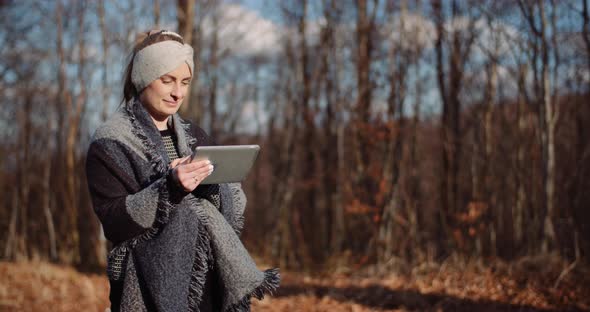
<point x="185" y="11"/>
<point x="331" y="223"/>
<point x="46" y="191"/>
<point x="11" y="237"/>
<point x="445" y="210"/>
<point x="61" y="81"/>
<point x="105" y="57"/>
<point x="364" y="27"/>
<point x="21" y="250"/>
<point x="195" y="111"/>
<point x="414" y="204"/>
<point x="399" y="60"/>
<point x="157" y="14"/>
<point x="459" y="47"/>
<point x="310" y="216"/>
<point x="580" y="210"/>
<point x="85" y="228"/>
<point x="338" y="232"/>
<point x="548" y="136"/>
<point x="586" y="30"/>
<point x="75" y="115"/>
<point x="213" y="70"/>
<point x="521" y="194"/>
<point x="289" y="247"/>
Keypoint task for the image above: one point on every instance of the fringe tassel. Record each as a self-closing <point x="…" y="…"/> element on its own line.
<point x="118" y="256"/>
<point x="199" y="271"/>
<point x="191" y="141"/>
<point x="272" y="279"/>
<point x="238" y="223"/>
<point x="156" y="161"/>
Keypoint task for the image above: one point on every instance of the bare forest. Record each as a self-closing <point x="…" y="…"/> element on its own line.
<point x="415" y="154"/>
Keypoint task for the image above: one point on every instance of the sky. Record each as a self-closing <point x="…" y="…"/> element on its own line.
<point x="256" y="28"/>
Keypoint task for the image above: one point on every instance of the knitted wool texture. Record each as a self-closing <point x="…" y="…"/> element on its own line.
<point x="154" y="61"/>
<point x="165" y="239"/>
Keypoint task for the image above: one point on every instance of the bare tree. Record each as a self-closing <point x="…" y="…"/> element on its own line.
<point x="583" y="154"/>
<point x="400" y="58"/>
<point x="75" y="106"/>
<point x="285" y="242"/>
<point x="332" y="217"/>
<point x="157" y="13"/>
<point x="213" y="67"/>
<point x="535" y="15"/>
<point x="62" y="97"/>
<point x="521" y="193"/>
<point x="354" y="168"/>
<point x="185" y="11"/>
<point x="105" y="57"/>
<point x="459" y="44"/>
<point x="365" y="25"/>
<point x="586" y="28"/>
<point x="17" y="245"/>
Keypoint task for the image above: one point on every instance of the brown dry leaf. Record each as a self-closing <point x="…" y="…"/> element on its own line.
<point x="451" y="286"/>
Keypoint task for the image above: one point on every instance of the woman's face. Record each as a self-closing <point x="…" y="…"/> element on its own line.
<point x="164" y="95"/>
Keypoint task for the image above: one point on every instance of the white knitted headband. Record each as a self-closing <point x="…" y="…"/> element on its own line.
<point x="158" y="59"/>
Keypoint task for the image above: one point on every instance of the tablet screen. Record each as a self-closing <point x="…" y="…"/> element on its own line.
<point x="231" y="163"/>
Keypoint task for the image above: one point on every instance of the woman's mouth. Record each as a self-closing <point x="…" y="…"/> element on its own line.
<point x="171" y="103"/>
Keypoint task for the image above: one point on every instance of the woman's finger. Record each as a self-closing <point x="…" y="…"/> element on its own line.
<point x="189" y="183"/>
<point x="190" y="175"/>
<point x="204" y="171"/>
<point x="200" y="173"/>
<point x="185" y="160"/>
<point x="178" y="161"/>
<point x="174" y="163"/>
<point x="190" y="167"/>
<point x="192" y="183"/>
<point x="191" y="171"/>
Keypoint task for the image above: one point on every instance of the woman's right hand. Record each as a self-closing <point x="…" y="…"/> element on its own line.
<point x="190" y="175"/>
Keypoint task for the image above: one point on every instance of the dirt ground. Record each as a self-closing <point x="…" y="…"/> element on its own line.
<point x="33" y="286"/>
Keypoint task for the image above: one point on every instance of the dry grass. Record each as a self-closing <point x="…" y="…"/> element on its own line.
<point x="526" y="285"/>
<point x="34" y="286"/>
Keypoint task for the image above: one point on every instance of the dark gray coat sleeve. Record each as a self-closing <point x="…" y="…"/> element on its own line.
<point x="123" y="207"/>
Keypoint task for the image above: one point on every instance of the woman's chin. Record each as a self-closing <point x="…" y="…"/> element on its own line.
<point x="170" y="108"/>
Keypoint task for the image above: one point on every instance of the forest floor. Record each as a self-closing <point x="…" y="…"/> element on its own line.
<point x="528" y="285"/>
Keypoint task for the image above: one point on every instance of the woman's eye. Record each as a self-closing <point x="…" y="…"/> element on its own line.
<point x="186" y="83"/>
<point x="166" y="81"/>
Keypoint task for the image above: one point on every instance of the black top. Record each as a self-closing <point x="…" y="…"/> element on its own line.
<point x="169" y="139"/>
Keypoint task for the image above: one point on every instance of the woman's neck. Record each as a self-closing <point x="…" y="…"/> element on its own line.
<point x="161" y="124"/>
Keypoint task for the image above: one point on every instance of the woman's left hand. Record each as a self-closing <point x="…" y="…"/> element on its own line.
<point x="190" y="174"/>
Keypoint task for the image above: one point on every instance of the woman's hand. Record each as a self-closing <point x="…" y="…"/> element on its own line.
<point x="190" y="175"/>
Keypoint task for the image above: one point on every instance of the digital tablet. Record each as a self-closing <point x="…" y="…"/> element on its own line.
<point x="231" y="163"/>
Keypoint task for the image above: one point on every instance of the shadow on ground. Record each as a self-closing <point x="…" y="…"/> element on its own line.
<point x="379" y="297"/>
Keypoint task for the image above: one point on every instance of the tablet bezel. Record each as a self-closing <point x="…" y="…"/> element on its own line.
<point x="232" y="163"/>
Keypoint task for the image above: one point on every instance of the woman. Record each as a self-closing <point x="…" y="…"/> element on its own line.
<point x="176" y="244"/>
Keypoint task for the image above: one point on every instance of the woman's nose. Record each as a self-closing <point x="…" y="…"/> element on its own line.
<point x="177" y="91"/>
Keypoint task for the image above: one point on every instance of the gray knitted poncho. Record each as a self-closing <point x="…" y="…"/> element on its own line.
<point x="165" y="240"/>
